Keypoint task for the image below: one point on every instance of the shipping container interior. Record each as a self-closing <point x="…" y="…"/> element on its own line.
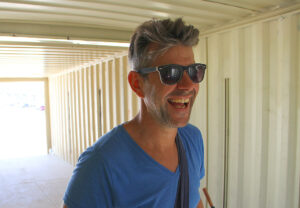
<point x="247" y="108"/>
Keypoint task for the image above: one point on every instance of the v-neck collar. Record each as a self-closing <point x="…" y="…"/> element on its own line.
<point x="146" y="155"/>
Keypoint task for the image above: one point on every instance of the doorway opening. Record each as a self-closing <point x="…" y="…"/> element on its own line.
<point x="22" y="119"/>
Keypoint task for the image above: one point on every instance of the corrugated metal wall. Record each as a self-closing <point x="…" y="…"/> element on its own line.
<point x="253" y="114"/>
<point x="87" y="103"/>
<point x="248" y="109"/>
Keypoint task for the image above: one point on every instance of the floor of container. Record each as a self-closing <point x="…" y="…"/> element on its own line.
<point x="33" y="182"/>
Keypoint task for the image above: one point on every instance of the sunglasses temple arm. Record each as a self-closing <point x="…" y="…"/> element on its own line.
<point x="149" y="70"/>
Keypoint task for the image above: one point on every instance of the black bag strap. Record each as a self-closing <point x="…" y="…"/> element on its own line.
<point x="182" y="197"/>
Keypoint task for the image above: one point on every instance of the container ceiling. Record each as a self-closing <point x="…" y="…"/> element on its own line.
<point x="57" y="23"/>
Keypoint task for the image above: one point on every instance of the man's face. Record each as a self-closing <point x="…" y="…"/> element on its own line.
<point x="171" y="105"/>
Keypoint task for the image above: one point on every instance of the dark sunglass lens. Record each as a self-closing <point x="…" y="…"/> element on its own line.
<point x="169" y="75"/>
<point x="196" y="73"/>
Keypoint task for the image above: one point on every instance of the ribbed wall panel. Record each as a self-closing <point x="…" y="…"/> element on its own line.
<point x="87" y="103"/>
<point x="262" y="64"/>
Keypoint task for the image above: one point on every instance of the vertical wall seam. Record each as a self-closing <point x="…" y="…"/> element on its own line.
<point x="207" y="114"/>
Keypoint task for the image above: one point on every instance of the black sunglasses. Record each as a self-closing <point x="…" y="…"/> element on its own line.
<point x="172" y="73"/>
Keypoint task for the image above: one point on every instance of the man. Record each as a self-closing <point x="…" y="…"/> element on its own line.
<point x="137" y="163"/>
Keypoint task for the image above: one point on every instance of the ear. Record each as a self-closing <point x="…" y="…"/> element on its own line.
<point x="136" y="82"/>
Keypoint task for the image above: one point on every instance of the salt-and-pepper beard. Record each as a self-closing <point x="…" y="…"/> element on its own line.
<point x="162" y="115"/>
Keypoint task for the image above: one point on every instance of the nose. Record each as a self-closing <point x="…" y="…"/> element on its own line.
<point x="186" y="83"/>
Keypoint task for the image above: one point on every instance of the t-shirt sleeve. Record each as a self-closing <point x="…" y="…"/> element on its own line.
<point x="90" y="184"/>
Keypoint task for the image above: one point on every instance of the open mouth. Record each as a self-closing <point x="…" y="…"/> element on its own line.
<point x="179" y="103"/>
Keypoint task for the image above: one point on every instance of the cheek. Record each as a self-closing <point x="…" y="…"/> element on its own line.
<point x="150" y="93"/>
<point x="155" y="91"/>
<point x="158" y="95"/>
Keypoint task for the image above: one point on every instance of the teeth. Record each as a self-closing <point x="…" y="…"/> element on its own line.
<point x="179" y="100"/>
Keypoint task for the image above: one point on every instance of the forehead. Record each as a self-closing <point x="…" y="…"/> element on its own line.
<point x="182" y="55"/>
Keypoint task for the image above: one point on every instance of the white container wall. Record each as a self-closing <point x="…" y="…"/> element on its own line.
<point x="251" y="102"/>
<point x="248" y="109"/>
<point x="87" y="103"/>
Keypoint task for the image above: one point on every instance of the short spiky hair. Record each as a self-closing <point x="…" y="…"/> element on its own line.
<point x="163" y="33"/>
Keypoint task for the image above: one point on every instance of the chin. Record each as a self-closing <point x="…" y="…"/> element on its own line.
<point x="177" y="124"/>
<point x="182" y="125"/>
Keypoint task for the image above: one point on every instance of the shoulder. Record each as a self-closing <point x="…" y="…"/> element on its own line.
<point x="190" y="127"/>
<point x="106" y="143"/>
<point x="190" y="133"/>
<point x="95" y="155"/>
<point x="92" y="173"/>
<point x="109" y="151"/>
<point x="192" y="140"/>
<point x="109" y="139"/>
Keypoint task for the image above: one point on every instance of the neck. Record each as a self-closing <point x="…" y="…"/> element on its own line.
<point x="148" y="132"/>
<point x="157" y="140"/>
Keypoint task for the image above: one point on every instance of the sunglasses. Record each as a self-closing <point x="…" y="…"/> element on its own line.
<point x="172" y="73"/>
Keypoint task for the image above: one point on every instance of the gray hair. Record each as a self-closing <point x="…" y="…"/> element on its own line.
<point x="164" y="34"/>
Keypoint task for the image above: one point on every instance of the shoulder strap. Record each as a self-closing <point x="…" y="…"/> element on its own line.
<point x="182" y="198"/>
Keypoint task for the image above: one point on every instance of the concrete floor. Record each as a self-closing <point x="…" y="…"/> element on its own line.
<point x="33" y="182"/>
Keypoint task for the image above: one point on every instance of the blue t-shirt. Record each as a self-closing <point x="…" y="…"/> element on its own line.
<point x="116" y="172"/>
